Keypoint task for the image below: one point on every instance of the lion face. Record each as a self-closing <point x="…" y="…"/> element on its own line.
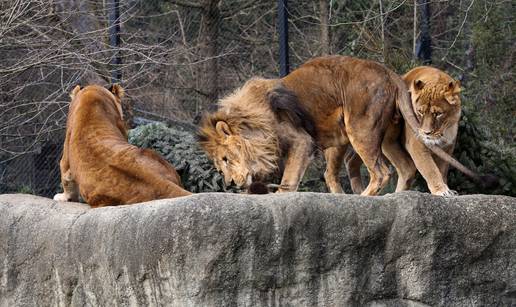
<point x="437" y="107"/>
<point x="228" y="157"/>
<point x="240" y="150"/>
<point x="230" y="161"/>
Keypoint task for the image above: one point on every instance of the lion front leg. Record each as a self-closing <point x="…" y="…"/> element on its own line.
<point x="298" y="158"/>
<point x="334" y="157"/>
<point x="70" y="188"/>
<point x="428" y="168"/>
<point x="443" y="165"/>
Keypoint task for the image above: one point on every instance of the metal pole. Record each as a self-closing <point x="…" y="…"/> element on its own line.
<point x="283" y="37"/>
<point x="114" y="40"/>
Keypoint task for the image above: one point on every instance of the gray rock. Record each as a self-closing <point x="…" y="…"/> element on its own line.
<point x="295" y="249"/>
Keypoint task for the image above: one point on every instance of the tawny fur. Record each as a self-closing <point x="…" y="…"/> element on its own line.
<point x="254" y="119"/>
<point x="100" y="165"/>
<point x="436" y="86"/>
<point x="267" y="123"/>
<point x="435" y="98"/>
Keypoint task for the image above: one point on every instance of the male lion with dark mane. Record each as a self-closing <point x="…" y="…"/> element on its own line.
<point x="99" y="164"/>
<point x="328" y="102"/>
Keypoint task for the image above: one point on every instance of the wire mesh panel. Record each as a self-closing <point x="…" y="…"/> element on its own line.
<point x="176" y="58"/>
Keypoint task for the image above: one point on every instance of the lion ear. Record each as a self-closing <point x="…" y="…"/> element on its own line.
<point x="415" y="90"/>
<point x="455" y="86"/>
<point x="74" y="92"/>
<point x="117" y="90"/>
<point x="453" y="92"/>
<point x="418" y="84"/>
<point x="222" y="128"/>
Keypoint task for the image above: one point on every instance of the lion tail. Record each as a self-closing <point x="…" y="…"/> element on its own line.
<point x="286" y="106"/>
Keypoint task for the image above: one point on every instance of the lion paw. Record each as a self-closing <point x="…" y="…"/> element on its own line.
<point x="60" y="197"/>
<point x="447" y="193"/>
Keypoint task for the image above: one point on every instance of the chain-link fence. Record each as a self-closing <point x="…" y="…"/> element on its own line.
<point x="175" y="58"/>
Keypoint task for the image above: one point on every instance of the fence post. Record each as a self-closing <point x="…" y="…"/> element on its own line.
<point x="283" y="37"/>
<point x="114" y="40"/>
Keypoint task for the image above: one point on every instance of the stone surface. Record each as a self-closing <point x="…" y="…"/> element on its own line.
<point x="296" y="249"/>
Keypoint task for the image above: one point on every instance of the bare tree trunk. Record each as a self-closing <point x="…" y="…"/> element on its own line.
<point x="208" y="50"/>
<point x="414" y="32"/>
<point x="382" y="21"/>
<point x="325" y="29"/>
<point x="340" y="37"/>
<point x="469" y="55"/>
<point x="79" y="17"/>
<point x="424" y="44"/>
<point x="504" y="71"/>
<point x="207" y="78"/>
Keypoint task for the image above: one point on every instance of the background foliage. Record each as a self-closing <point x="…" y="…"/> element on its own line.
<point x="179" y="146"/>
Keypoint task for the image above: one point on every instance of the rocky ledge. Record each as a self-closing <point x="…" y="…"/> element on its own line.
<point x="294" y="249"/>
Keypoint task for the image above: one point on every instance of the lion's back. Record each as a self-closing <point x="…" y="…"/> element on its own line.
<point x="338" y="89"/>
<point x="106" y="167"/>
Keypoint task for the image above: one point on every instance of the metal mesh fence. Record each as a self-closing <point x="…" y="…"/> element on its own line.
<point x="175" y="58"/>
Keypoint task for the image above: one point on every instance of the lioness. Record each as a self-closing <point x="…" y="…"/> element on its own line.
<point x="327" y="102"/>
<point x="436" y="100"/>
<point x="99" y="164"/>
<point x="435" y="97"/>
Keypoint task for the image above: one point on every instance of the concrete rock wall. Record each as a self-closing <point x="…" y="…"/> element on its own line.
<point x="295" y="249"/>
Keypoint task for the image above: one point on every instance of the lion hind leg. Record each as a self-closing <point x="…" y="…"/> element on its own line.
<point x="371" y="154"/>
<point x="379" y="176"/>
<point x="403" y="163"/>
<point x="366" y="142"/>
<point x="154" y="175"/>
<point x="353" y="164"/>
<point x="175" y="190"/>
<point x="399" y="157"/>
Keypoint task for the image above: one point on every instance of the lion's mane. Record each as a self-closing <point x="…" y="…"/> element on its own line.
<point x="248" y="113"/>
